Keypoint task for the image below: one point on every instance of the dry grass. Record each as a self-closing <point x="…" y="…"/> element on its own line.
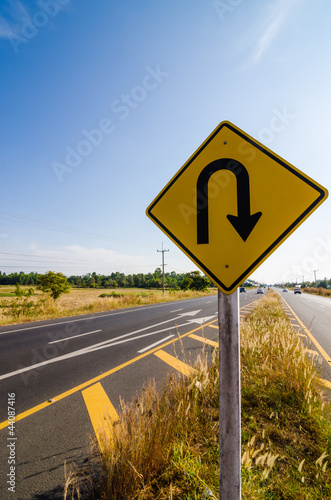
<point x="88" y="300"/>
<point x="318" y="291"/>
<point x="166" y="443"/>
<point x="283" y="421"/>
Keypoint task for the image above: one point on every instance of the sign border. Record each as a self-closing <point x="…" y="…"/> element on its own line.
<point x="322" y="196"/>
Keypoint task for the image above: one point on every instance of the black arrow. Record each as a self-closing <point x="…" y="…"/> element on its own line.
<point x="244" y="222"/>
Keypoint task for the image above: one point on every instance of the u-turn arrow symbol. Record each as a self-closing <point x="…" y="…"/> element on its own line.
<point x="244" y="222"/>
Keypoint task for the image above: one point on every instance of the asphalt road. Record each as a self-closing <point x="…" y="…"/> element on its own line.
<point x="50" y="366"/>
<point x="315" y="313"/>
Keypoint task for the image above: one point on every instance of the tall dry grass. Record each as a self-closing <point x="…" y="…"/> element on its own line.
<point x="324" y="292"/>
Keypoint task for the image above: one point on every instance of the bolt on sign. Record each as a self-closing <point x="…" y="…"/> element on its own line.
<point x="232" y="204"/>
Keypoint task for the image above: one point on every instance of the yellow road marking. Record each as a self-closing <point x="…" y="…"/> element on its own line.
<point x="312" y="338"/>
<point x="204" y="340"/>
<point x="101" y="411"/>
<point x="65" y="394"/>
<point x="213" y="326"/>
<point x="325" y="382"/>
<point x="175" y="363"/>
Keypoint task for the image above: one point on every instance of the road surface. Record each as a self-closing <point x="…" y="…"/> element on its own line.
<point x="53" y="368"/>
<point x="59" y="371"/>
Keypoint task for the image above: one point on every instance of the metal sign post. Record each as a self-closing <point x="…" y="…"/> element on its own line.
<point x="229" y="396"/>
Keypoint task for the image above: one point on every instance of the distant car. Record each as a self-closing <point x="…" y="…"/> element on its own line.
<point x="284" y="289"/>
<point x="297" y="290"/>
<point x="242" y="289"/>
<point x="260" y="290"/>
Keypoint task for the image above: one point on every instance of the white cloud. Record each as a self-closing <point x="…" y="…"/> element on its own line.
<point x="274" y="21"/>
<point x="267" y="37"/>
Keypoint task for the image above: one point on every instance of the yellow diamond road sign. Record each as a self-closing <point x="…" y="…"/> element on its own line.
<point x="232" y="204"/>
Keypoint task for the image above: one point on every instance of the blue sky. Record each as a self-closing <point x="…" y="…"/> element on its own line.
<point x="102" y="102"/>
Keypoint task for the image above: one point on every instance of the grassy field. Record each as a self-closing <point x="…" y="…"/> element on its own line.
<point x="165" y="445"/>
<point x="88" y="300"/>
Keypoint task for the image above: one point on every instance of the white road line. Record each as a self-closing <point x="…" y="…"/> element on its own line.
<point x="74" y="336"/>
<point x="87" y="350"/>
<point x="112" y="313"/>
<point x="76" y="320"/>
<point x="105" y="344"/>
<point x="176" y="310"/>
<point x="111" y="342"/>
<point x="155" y="344"/>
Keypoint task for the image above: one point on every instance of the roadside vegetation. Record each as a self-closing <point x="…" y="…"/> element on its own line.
<point x="165" y="445"/>
<point x="324" y="292"/>
<point x="35" y="305"/>
<point x="24" y="302"/>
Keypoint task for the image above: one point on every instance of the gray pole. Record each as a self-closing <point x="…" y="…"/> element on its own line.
<point x="229" y="396"/>
<point x="163" y="266"/>
<point x="315" y="271"/>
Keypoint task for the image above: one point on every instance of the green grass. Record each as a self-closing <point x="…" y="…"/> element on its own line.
<point x="165" y="445"/>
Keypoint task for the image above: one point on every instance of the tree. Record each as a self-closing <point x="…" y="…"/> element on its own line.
<point x="91" y="282"/>
<point x="54" y="283"/>
<point x="194" y="281"/>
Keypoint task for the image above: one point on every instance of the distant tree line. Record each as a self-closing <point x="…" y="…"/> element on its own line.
<point x="325" y="283"/>
<point x="173" y="280"/>
<point x="20" y="278"/>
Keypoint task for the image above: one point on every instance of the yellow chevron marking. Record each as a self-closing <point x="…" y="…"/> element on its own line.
<point x="101" y="411"/>
<point x="204" y="340"/>
<point x="175" y="363"/>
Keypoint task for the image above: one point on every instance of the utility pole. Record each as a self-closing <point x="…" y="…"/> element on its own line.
<point x="315" y="271"/>
<point x="163" y="265"/>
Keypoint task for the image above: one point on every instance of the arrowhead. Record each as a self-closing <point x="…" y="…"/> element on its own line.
<point x="191" y="313"/>
<point x="200" y="321"/>
<point x="244" y="224"/>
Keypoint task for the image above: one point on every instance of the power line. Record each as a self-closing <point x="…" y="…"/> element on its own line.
<point x="50" y="226"/>
<point x="35" y="256"/>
